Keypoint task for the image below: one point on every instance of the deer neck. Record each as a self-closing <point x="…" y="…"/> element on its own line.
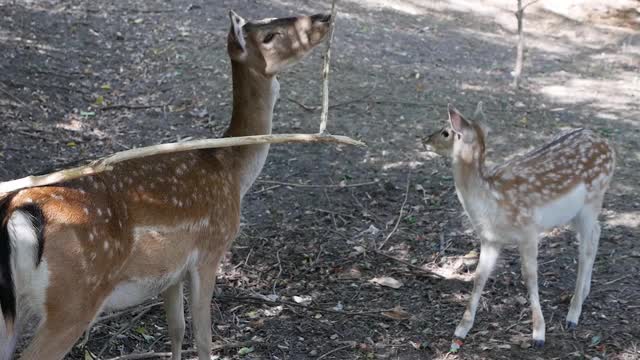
<point x="472" y="187"/>
<point x="254" y="96"/>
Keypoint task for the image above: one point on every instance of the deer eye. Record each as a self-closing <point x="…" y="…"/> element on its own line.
<point x="445" y="133"/>
<point x="267" y="39"/>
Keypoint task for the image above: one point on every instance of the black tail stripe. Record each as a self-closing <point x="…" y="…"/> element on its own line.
<point x="38" y="223"/>
<point x="7" y="290"/>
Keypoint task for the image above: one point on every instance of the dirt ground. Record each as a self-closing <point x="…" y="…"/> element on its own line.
<point x="80" y="79"/>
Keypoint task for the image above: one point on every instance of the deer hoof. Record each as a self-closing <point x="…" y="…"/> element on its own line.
<point x="456" y="344"/>
<point x="538" y="344"/>
<point x="571" y="325"/>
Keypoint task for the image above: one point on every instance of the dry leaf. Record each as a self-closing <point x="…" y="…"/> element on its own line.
<point x="397" y="313"/>
<point x="351" y="273"/>
<point x="521" y="300"/>
<point x="387" y="281"/>
<point x="304" y="299"/>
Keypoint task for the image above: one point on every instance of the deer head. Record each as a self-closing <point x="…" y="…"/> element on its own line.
<point x="442" y="141"/>
<point x="269" y="45"/>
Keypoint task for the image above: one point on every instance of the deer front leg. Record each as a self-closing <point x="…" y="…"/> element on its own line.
<point x="489" y="253"/>
<point x="529" y="261"/>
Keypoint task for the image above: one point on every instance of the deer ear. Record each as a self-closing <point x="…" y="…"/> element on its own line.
<point x="458" y="123"/>
<point x="236" y="40"/>
<point x="479" y="113"/>
<point x="480" y="118"/>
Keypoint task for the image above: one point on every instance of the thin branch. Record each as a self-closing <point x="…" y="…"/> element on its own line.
<point x="12" y="96"/>
<point x="253" y="299"/>
<point x="305" y="107"/>
<point x="406" y="195"/>
<point x="618" y="279"/>
<point x="529" y="4"/>
<point x="517" y="71"/>
<point x="107" y="163"/>
<point x="406" y="263"/>
<point x="127" y="311"/>
<point x="335" y="350"/>
<point x="153" y="354"/>
<point x="129" y="107"/>
<point x="122" y="329"/>
<point x="325" y="72"/>
<point x="317" y="186"/>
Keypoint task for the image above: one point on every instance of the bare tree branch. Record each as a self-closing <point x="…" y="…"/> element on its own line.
<point x="529" y="4"/>
<point x="106" y="163"/>
<point x="517" y="71"/>
<point x="325" y="72"/>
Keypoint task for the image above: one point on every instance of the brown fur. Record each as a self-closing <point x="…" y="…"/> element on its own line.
<point x="145" y="218"/>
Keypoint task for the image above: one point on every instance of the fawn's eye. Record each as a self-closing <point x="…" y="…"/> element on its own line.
<point x="445" y="134"/>
<point x="267" y="39"/>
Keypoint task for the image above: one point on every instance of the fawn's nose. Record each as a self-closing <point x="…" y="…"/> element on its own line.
<point x="321" y="18"/>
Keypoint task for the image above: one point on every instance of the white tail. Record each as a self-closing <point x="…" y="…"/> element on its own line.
<point x="560" y="182"/>
<point x="112" y="240"/>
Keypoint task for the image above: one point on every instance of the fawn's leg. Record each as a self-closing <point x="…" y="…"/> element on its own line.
<point x="529" y="261"/>
<point x="488" y="256"/>
<point x="174" y="309"/>
<point x="588" y="231"/>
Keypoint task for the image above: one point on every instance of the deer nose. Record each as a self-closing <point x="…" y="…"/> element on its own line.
<point x="321" y="18"/>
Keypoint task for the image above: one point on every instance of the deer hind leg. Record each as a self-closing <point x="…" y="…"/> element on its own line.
<point x="588" y="232"/>
<point x="203" y="280"/>
<point x="488" y="257"/>
<point x="529" y="261"/>
<point x="174" y="309"/>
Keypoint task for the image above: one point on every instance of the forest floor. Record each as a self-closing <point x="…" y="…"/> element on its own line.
<point x="82" y="79"/>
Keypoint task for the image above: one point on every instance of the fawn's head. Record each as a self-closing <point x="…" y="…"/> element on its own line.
<point x="269" y="45"/>
<point x="470" y="136"/>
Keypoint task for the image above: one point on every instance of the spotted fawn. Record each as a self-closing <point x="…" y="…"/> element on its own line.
<point x="560" y="182"/>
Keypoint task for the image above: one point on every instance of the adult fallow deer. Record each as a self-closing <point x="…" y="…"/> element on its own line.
<point x="71" y="250"/>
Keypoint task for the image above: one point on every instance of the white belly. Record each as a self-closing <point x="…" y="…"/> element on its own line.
<point x="560" y="211"/>
<point x="137" y="291"/>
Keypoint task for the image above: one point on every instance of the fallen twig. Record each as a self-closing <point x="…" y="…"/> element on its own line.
<point x="122" y="329"/>
<point x="406" y="263"/>
<point x="12" y="96"/>
<point x="127" y="311"/>
<point x="253" y="299"/>
<point x="617" y="279"/>
<point x="130" y="107"/>
<point x="317" y="186"/>
<point x="325" y="72"/>
<point x="335" y="350"/>
<point x="266" y="189"/>
<point x="305" y="107"/>
<point x="406" y="195"/>
<point x="153" y="354"/>
<point x="107" y="163"/>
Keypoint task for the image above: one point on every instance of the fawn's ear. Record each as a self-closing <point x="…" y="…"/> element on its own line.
<point x="458" y="123"/>
<point x="478" y="115"/>
<point x="236" y="43"/>
<point x="480" y="118"/>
